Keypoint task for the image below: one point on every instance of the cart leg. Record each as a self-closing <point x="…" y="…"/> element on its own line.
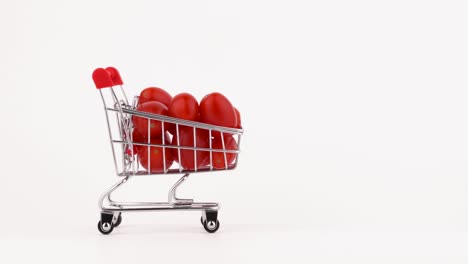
<point x="172" y="193"/>
<point x="109" y="219"/>
<point x="210" y="221"/>
<point x="108" y="193"/>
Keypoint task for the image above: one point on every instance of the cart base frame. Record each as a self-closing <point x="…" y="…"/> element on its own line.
<point x="111" y="214"/>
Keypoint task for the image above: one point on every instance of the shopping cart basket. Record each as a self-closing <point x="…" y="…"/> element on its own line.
<point x="120" y="116"/>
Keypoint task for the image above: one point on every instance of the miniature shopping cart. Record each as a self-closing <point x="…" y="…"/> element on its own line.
<point x="120" y="114"/>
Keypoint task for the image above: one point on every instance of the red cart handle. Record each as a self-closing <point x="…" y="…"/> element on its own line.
<point x="107" y="77"/>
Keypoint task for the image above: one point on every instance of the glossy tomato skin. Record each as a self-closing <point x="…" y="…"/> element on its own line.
<point x="218" y="157"/>
<point x="156" y="158"/>
<point x="186" y="139"/>
<point x="216" y="109"/>
<point x="151" y="94"/>
<point x="183" y="106"/>
<point x="238" y="117"/>
<point x="141" y="124"/>
<point x="138" y="138"/>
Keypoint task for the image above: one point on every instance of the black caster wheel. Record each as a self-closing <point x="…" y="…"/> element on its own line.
<point x="201" y="220"/>
<point x="105" y="228"/>
<point x="211" y="226"/>
<point x="119" y="220"/>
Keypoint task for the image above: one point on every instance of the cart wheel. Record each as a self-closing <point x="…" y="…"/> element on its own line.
<point x="119" y="220"/>
<point x="211" y="226"/>
<point x="201" y="220"/>
<point x="105" y="228"/>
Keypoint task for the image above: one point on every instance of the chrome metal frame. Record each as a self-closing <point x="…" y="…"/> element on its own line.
<point x="173" y="202"/>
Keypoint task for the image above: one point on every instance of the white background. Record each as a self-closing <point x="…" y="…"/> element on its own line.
<point x="355" y="146"/>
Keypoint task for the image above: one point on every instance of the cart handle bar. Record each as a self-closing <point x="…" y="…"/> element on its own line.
<point x="107" y="77"/>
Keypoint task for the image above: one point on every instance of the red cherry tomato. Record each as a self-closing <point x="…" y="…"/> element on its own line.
<point x="187" y="156"/>
<point x="239" y="125"/>
<point x="218" y="157"/>
<point x="183" y="106"/>
<point x="216" y="109"/>
<point x="156" y="158"/>
<point x="141" y="123"/>
<point x="155" y="94"/>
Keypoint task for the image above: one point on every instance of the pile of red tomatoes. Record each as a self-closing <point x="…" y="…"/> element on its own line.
<point x="213" y="109"/>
